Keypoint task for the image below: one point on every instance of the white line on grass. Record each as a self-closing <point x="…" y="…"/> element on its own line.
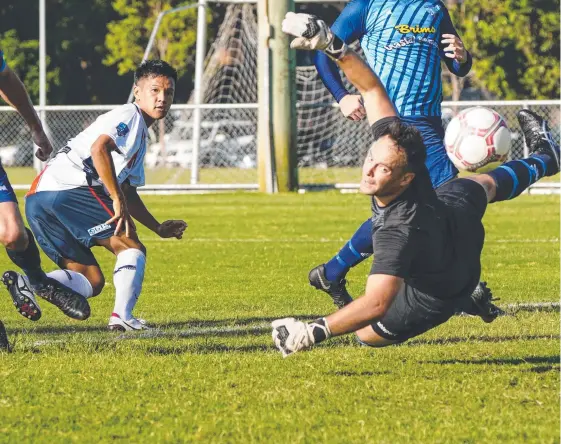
<point x="326" y="241"/>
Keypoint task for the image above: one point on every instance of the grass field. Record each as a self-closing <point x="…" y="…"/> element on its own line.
<point x="210" y="373"/>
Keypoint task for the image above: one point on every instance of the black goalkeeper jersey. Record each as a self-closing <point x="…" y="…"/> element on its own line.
<point x="435" y="247"/>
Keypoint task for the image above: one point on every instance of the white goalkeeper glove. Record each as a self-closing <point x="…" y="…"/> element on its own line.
<point x="290" y="335"/>
<point x="313" y="34"/>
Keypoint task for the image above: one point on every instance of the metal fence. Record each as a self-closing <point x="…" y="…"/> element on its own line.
<point x="330" y="148"/>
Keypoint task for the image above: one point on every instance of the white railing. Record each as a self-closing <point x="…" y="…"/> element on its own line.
<point x="330" y="149"/>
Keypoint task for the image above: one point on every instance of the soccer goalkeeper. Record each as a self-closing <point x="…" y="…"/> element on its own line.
<point x="427" y="250"/>
<point x="404" y="43"/>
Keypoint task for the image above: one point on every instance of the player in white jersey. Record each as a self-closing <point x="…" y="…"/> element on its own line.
<point x="86" y="196"/>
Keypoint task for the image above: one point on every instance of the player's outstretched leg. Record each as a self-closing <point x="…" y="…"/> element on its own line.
<point x="127" y="278"/>
<point x="330" y="277"/>
<point x="512" y="178"/>
<point x="22" y="295"/>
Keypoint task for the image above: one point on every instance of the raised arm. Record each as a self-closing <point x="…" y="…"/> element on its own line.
<point x="14" y="93"/>
<point x="349" y="26"/>
<point x="313" y="34"/>
<point x="452" y="50"/>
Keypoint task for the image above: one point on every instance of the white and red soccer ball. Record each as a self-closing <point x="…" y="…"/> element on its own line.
<point x="475" y="137"/>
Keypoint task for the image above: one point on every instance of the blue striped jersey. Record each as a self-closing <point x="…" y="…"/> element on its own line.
<point x="401" y="43"/>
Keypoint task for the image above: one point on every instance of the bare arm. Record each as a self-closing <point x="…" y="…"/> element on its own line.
<point x="14" y="93"/>
<point x="137" y="209"/>
<point x="103" y="163"/>
<point x="380" y="292"/>
<point x="313" y="34"/>
<point x="376" y="101"/>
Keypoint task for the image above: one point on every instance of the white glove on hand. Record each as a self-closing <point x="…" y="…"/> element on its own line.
<point x="290" y="335"/>
<point x="312" y="34"/>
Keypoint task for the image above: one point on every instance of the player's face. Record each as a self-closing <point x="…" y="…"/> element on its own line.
<point x="383" y="171"/>
<point x="154" y="95"/>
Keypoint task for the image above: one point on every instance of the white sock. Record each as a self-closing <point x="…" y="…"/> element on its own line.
<point x="73" y="280"/>
<point x="127" y="278"/>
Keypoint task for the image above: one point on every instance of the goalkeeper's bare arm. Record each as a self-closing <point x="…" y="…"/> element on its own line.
<point x="313" y="34"/>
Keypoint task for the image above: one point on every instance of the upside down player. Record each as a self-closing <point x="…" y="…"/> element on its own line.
<point x="18" y="240"/>
<point x="69" y="204"/>
<point x="427" y="250"/>
<point x="404" y="43"/>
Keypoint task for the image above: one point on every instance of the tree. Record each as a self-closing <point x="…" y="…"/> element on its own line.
<point x="515" y="45"/>
<point x="23" y="58"/>
<point x="128" y="36"/>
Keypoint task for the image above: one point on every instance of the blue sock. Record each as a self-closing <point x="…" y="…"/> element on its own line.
<point x="513" y="177"/>
<point x="29" y="261"/>
<point x="354" y="252"/>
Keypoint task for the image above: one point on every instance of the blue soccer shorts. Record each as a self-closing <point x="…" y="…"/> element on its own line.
<point x="6" y="191"/>
<point x="68" y="223"/>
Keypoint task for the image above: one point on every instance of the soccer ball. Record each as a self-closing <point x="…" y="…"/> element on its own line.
<point x="475" y="137"/>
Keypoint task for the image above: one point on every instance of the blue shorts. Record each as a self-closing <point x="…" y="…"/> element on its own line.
<point x="441" y="168"/>
<point x="67" y="223"/>
<point x="6" y="191"/>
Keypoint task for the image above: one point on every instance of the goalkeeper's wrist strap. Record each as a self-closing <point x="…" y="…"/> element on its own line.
<point x="320" y="330"/>
<point x="337" y="48"/>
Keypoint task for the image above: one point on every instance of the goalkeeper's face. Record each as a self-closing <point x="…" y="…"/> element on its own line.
<point x="154" y="95"/>
<point x="384" y="170"/>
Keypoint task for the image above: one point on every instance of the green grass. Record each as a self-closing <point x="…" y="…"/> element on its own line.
<point x="23" y="175"/>
<point x="212" y="375"/>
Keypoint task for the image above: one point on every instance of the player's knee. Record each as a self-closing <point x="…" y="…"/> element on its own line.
<point x="97" y="284"/>
<point x="13" y="237"/>
<point x="120" y="244"/>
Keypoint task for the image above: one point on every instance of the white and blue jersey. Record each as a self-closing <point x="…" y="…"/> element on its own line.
<point x="401" y="43"/>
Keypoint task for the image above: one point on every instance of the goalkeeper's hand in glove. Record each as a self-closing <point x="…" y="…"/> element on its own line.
<point x="290" y="335"/>
<point x="313" y="34"/>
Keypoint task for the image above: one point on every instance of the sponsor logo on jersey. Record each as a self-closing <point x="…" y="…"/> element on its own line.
<point x="98" y="229"/>
<point x="403" y="42"/>
<point x="122" y="129"/>
<point x="406" y="29"/>
<point x="406" y="41"/>
<point x="3" y="188"/>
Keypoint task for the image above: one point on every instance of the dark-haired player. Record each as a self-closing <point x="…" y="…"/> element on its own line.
<point x="86" y="197"/>
<point x="428" y="245"/>
<point x="18" y="240"/>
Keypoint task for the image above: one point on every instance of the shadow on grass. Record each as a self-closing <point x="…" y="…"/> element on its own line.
<point x="553" y="359"/>
<point x="458" y="339"/>
<point x="208" y="349"/>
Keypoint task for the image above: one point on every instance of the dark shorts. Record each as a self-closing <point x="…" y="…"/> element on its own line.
<point x="465" y="196"/>
<point x="413" y="312"/>
<point x="67" y="223"/>
<point x="6" y="191"/>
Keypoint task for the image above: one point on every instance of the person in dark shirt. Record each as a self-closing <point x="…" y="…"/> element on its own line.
<point x="428" y="244"/>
